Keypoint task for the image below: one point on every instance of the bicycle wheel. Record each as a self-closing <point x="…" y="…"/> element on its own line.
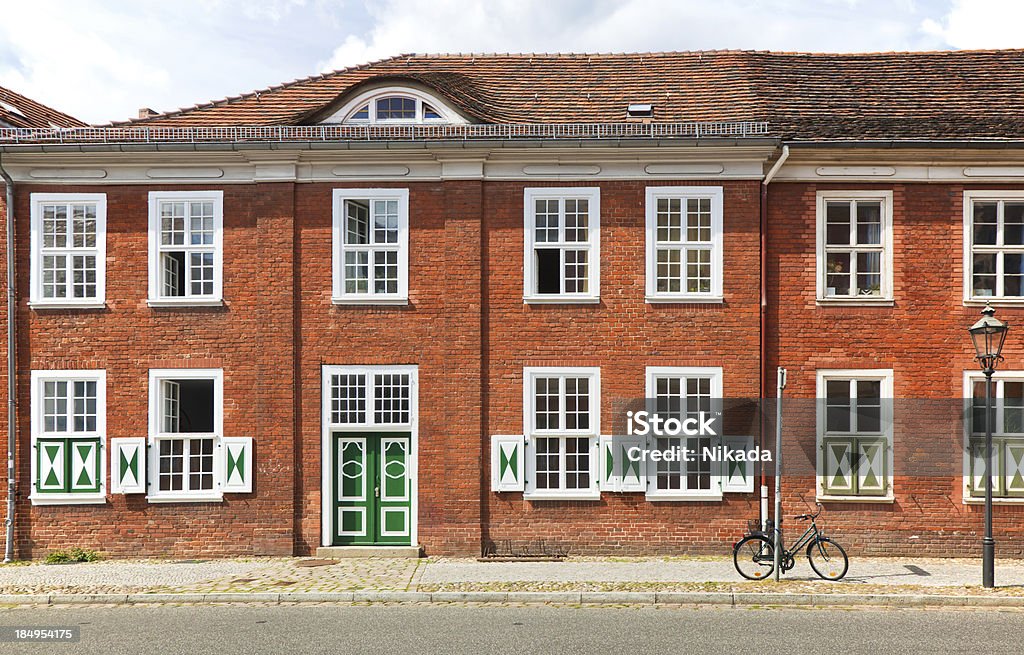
<point x="828" y="559"/>
<point x="754" y="557"/>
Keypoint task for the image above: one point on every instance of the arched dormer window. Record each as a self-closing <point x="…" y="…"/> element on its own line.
<point x="394" y="105"/>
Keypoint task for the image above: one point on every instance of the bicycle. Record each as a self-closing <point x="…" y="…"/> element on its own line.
<point x="754" y="555"/>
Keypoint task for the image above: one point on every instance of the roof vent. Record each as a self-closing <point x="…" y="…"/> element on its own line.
<point x="146" y="112"/>
<point x="642" y="112"/>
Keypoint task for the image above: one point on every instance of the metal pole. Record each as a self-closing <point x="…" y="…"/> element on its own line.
<point x="988" y="544"/>
<point x="12" y="370"/>
<point x="781" y="384"/>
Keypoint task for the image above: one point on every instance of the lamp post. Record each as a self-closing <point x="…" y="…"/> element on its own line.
<point x="988" y="335"/>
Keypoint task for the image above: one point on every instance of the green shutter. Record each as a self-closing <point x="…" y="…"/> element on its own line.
<point x="1014" y="467"/>
<point x="871" y="477"/>
<point x="838" y="473"/>
<point x="620" y="473"/>
<point x="50" y="466"/>
<point x="236" y="462"/>
<point x="128" y="465"/>
<point x="507" y="454"/>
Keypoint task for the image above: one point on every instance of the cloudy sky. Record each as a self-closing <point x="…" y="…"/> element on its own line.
<point x="102" y="60"/>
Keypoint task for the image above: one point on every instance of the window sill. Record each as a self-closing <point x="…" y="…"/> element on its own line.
<point x="369" y="300"/>
<point x="185" y="302"/>
<point x="882" y="500"/>
<point x="685" y="300"/>
<point x="995" y="501"/>
<point x="68" y="499"/>
<point x="853" y="302"/>
<point x="686" y="498"/>
<point x="46" y="304"/>
<point x="981" y="302"/>
<point x="190" y="498"/>
<point x="558" y="299"/>
<point x="585" y="495"/>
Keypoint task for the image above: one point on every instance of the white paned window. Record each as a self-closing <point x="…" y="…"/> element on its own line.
<point x="994" y="245"/>
<point x="371" y="246"/>
<point x="684" y="244"/>
<point x="371" y="396"/>
<point x="186" y="247"/>
<point x="68" y="437"/>
<point x="562" y="258"/>
<point x="395" y="106"/>
<point x="854" y="246"/>
<point x="1007" y="417"/>
<point x="854" y="418"/>
<point x="683" y="393"/>
<point x="562" y="422"/>
<point x="186" y="427"/>
<point x="68" y="244"/>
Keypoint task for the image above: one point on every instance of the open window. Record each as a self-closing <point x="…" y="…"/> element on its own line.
<point x="186" y="247"/>
<point x="371" y="246"/>
<point x="562" y="245"/>
<point x="185" y="434"/>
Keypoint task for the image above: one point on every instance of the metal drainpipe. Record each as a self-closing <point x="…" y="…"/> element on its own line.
<point x="763" y="505"/>
<point x="12" y="383"/>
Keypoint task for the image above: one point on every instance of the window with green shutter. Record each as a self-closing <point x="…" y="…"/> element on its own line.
<point x="1007" y="436"/>
<point x="68" y="429"/>
<point x="855" y="433"/>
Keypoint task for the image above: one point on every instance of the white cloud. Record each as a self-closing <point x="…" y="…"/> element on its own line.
<point x="980" y="24"/>
<point x="632" y="25"/>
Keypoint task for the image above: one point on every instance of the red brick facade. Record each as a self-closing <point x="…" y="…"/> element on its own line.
<point x="468" y="330"/>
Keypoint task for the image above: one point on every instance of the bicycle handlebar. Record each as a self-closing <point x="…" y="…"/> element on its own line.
<point x="804" y="517"/>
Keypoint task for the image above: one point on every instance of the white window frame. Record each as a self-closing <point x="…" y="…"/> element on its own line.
<point x="685" y="193"/>
<point x="156" y="435"/>
<point x="970" y="377"/>
<point x="991" y="195"/>
<point x="327" y="515"/>
<point x="156" y="297"/>
<point x="36" y="299"/>
<point x="885" y="296"/>
<point x="885" y="376"/>
<point x="38" y="378"/>
<point x="593" y="244"/>
<point x="715" y="490"/>
<point x="339" y="247"/>
<point x="530" y="373"/>
<point x="349" y="109"/>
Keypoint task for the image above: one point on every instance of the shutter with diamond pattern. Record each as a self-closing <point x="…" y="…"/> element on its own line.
<point x="1014" y="464"/>
<point x="50" y="465"/>
<point x="85" y="465"/>
<point x="236" y="461"/>
<point x="977" y="486"/>
<point x="871" y="456"/>
<point x="620" y="473"/>
<point x="128" y="465"/>
<point x="737" y="476"/>
<point x="507" y="452"/>
<point x="838" y="475"/>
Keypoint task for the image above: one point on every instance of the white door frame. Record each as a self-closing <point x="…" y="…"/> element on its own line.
<point x="328" y="429"/>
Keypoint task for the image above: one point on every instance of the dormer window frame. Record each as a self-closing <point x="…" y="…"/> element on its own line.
<point x="368" y="101"/>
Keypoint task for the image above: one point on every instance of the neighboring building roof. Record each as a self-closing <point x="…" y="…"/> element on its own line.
<point x="896" y="95"/>
<point x="18" y="111"/>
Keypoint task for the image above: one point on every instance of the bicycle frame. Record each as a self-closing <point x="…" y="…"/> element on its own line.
<point x="809" y="536"/>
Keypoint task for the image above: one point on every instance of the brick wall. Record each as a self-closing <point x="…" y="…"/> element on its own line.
<point x="922" y="337"/>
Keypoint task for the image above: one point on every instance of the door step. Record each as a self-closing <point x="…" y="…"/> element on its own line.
<point x="339" y="552"/>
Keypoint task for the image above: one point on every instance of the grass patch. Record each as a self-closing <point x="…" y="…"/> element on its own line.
<point x="72" y="555"/>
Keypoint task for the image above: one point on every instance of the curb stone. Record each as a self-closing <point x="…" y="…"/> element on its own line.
<point x="734" y="599"/>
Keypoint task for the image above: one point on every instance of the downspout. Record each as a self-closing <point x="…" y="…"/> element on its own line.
<point x="12" y="383"/>
<point x="764" y="319"/>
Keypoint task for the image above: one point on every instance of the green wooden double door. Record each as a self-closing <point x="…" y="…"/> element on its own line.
<point x="372" y="489"/>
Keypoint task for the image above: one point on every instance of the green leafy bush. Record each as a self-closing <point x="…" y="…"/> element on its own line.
<point x="72" y="555"/>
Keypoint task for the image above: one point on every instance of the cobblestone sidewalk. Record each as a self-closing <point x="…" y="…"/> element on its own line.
<point x="867" y="575"/>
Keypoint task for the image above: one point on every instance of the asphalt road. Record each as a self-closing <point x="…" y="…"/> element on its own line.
<point x="224" y="630"/>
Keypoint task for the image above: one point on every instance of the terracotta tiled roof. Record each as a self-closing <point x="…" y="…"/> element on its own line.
<point x="18" y="111"/>
<point x="896" y="95"/>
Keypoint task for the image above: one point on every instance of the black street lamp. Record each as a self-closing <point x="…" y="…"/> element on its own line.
<point x="988" y="335"/>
